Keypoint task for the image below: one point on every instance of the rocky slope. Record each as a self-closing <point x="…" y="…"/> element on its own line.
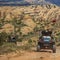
<point x="31" y="17"/>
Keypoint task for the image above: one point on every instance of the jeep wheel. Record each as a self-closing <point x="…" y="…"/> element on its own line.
<point x="38" y="48"/>
<point x="54" y="49"/>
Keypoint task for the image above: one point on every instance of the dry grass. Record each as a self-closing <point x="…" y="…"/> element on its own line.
<point x="42" y="13"/>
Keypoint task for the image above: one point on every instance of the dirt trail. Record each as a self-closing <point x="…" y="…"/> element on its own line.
<point x="47" y="55"/>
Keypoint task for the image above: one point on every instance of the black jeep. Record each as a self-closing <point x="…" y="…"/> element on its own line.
<point x="46" y="41"/>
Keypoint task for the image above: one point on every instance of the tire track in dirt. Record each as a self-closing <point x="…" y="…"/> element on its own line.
<point x="45" y="55"/>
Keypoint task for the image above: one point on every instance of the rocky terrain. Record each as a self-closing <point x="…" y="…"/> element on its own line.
<point x="26" y="22"/>
<point x="32" y="55"/>
<point x="30" y="16"/>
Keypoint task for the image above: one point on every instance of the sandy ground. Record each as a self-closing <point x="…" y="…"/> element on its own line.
<point x="33" y="55"/>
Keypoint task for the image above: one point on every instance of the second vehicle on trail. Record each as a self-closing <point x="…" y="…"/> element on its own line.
<point x="46" y="41"/>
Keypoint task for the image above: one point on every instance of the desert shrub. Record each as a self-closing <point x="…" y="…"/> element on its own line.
<point x="25" y="36"/>
<point x="29" y="41"/>
<point x="34" y="42"/>
<point x="8" y="47"/>
<point x="1" y="25"/>
<point x="26" y="47"/>
<point x="58" y="43"/>
<point x="30" y="34"/>
<point x="36" y="29"/>
<point x="11" y="47"/>
<point x="3" y="37"/>
<point x="20" y="39"/>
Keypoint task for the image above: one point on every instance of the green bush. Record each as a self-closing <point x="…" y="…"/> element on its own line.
<point x="3" y="37"/>
<point x="7" y="48"/>
<point x="30" y="41"/>
<point x="58" y="43"/>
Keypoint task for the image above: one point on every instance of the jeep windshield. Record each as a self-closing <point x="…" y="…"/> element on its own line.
<point x="46" y="38"/>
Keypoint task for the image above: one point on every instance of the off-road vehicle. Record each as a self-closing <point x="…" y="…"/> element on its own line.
<point x="46" y="41"/>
